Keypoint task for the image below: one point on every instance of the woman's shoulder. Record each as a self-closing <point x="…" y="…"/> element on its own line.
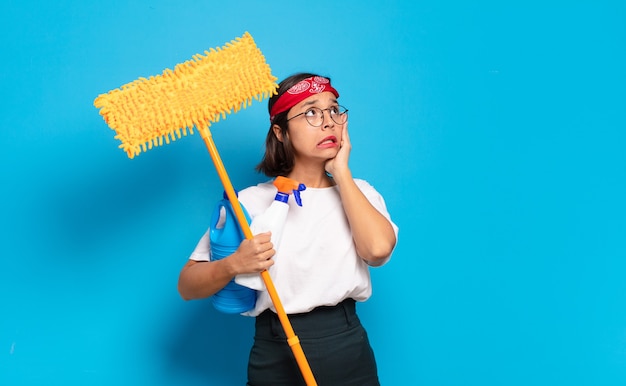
<point x="368" y="190"/>
<point x="363" y="185"/>
<point x="257" y="197"/>
<point x="259" y="188"/>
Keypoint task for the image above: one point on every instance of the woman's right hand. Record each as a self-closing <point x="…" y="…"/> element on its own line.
<point x="200" y="280"/>
<point x="253" y="255"/>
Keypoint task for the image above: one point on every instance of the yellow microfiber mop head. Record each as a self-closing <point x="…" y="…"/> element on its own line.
<point x="146" y="112"/>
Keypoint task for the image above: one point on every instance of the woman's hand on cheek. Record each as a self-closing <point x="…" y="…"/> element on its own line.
<point x="339" y="164"/>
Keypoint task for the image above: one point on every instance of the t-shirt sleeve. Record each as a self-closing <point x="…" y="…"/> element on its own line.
<point x="202" y="252"/>
<point x="377" y="201"/>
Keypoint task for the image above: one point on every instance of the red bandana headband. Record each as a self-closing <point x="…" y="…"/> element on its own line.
<point x="299" y="92"/>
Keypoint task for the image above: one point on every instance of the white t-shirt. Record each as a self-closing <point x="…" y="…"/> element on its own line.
<point x="316" y="263"/>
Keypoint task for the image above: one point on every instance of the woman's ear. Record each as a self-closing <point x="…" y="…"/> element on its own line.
<point x="278" y="133"/>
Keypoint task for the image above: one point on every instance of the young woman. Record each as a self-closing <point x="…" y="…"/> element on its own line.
<point x="322" y="262"/>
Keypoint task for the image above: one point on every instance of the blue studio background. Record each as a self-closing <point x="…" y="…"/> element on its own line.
<point x="495" y="131"/>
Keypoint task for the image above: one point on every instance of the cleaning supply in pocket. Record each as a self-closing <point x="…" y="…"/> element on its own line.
<point x="273" y="220"/>
<point x="225" y="236"/>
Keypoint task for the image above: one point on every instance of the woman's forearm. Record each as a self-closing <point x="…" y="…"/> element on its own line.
<point x="202" y="279"/>
<point x="372" y="232"/>
<point x="199" y="280"/>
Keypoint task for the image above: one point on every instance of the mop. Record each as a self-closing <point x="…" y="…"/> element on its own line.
<point x="151" y="111"/>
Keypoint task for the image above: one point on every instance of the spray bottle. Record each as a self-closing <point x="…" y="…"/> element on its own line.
<point x="273" y="219"/>
<point x="225" y="236"/>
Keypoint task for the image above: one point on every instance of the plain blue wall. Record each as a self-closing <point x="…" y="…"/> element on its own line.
<point x="494" y="130"/>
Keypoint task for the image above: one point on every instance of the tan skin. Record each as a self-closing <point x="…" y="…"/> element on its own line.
<point x="318" y="150"/>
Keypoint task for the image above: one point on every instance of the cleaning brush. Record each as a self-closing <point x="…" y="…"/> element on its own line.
<point x="151" y="111"/>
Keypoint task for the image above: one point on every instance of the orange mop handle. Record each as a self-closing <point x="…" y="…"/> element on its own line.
<point x="292" y="339"/>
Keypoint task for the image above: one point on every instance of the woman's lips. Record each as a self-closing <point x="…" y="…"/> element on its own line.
<point x="328" y="142"/>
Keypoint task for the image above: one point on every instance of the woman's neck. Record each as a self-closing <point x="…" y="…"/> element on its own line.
<point x="312" y="178"/>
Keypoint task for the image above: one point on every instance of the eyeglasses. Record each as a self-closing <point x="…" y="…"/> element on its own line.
<point x="315" y="115"/>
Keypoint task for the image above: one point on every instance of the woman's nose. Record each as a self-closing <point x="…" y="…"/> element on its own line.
<point x="327" y="121"/>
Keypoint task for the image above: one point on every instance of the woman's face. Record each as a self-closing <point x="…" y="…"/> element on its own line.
<point x="310" y="142"/>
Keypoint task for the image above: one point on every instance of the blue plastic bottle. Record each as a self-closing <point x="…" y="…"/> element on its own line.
<point x="225" y="236"/>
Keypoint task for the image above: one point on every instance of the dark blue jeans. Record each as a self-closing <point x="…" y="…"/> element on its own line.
<point x="333" y="340"/>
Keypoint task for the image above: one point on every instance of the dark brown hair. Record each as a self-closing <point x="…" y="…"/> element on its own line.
<point x="279" y="157"/>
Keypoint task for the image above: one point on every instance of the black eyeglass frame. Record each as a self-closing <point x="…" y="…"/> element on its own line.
<point x="345" y="112"/>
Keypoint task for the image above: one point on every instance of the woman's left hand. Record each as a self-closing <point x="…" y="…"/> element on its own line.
<point x="339" y="163"/>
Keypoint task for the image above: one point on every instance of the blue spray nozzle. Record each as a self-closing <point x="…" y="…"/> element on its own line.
<point x="296" y="194"/>
<point x="282" y="197"/>
<point x="285" y="185"/>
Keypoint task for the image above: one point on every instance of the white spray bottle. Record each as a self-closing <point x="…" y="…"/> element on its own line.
<point x="272" y="220"/>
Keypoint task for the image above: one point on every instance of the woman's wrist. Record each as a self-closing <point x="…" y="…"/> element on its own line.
<point x="342" y="176"/>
